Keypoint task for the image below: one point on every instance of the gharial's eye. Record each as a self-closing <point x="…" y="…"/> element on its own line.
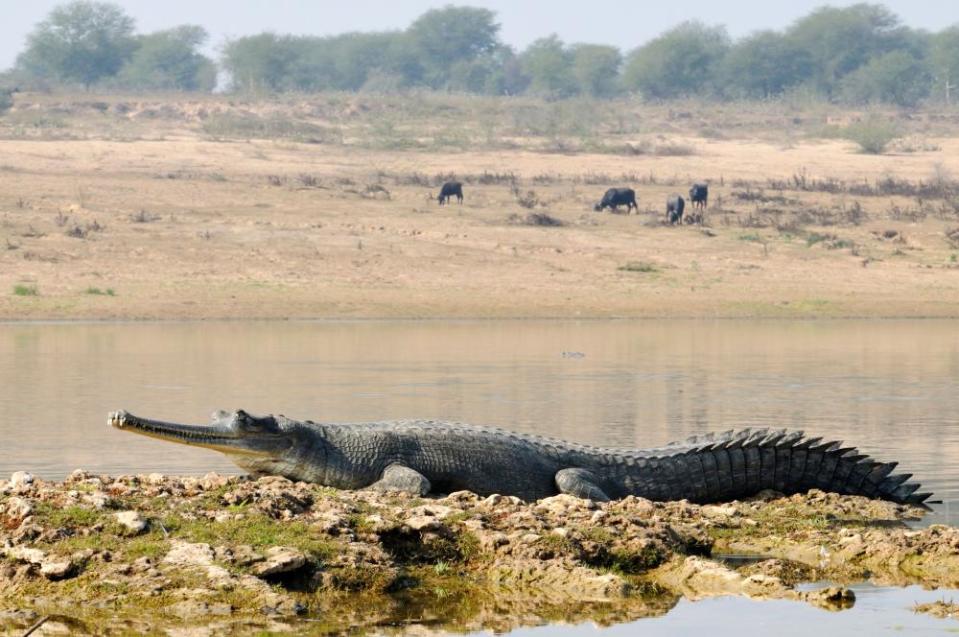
<point x="243" y="420"/>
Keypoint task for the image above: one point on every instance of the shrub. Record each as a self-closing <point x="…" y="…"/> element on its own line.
<point x="638" y="266"/>
<point x="873" y="134"/>
<point x="6" y="100"/>
<point x="534" y="219"/>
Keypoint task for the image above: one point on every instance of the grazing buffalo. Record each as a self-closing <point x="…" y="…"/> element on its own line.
<point x="449" y="190"/>
<point x="699" y="195"/>
<point x="675" y="205"/>
<point x="616" y="197"/>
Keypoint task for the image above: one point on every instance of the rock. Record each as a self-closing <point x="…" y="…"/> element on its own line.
<point x="27" y="532"/>
<point x="831" y="597"/>
<point x="213" y="481"/>
<point x="423" y="523"/>
<point x="131" y="521"/>
<point x="496" y="500"/>
<point x="20" y="478"/>
<point x="99" y="500"/>
<point x="58" y="570"/>
<point x="718" y="512"/>
<point x="635" y="505"/>
<point x="189" y="554"/>
<point x="25" y="554"/>
<point x="598" y="517"/>
<point x="155" y="479"/>
<point x="331" y="523"/>
<point x="16" y="508"/>
<point x="77" y="475"/>
<point x="563" y="503"/>
<point x="240" y="555"/>
<point x="279" y="560"/>
<point x="462" y="496"/>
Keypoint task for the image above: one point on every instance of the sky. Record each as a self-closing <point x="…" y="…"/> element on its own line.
<point x="623" y="23"/>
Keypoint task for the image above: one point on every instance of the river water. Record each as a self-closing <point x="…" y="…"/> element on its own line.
<point x="889" y="387"/>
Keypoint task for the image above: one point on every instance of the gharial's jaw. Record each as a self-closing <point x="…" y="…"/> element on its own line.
<point x="218" y="436"/>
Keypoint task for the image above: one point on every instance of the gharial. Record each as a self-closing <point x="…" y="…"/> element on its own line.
<point x="423" y="456"/>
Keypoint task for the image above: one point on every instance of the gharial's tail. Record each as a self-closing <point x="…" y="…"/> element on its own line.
<point x="731" y="465"/>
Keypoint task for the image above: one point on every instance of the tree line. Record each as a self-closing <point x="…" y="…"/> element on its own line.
<point x="856" y="54"/>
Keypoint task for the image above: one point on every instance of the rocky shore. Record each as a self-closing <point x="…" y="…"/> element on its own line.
<point x="224" y="555"/>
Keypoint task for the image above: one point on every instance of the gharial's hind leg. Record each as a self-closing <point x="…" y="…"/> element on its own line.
<point x="396" y="477"/>
<point x="581" y="483"/>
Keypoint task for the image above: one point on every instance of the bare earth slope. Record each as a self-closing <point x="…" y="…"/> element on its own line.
<point x="162" y="219"/>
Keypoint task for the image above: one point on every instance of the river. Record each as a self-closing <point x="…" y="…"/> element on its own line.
<point x="889" y="387"/>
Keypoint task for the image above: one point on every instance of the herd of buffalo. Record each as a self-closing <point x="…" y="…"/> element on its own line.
<point x="614" y="197"/>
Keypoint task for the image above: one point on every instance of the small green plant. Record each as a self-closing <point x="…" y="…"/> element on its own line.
<point x="25" y="290"/>
<point x="839" y="244"/>
<point x="752" y="236"/>
<point x="638" y="266"/>
<point x="817" y="237"/>
<point x="873" y="134"/>
<point x="98" y="292"/>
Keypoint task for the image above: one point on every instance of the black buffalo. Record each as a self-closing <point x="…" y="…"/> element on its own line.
<point x="675" y="205"/>
<point x="449" y="190"/>
<point x="616" y="197"/>
<point x="699" y="195"/>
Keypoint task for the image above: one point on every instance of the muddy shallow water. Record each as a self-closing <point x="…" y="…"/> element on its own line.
<point x="878" y="611"/>
<point x="890" y="387"/>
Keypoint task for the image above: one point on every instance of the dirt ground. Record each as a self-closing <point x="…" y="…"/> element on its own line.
<point x="170" y="222"/>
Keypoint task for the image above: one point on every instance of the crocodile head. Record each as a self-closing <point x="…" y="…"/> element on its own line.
<point x="238" y="434"/>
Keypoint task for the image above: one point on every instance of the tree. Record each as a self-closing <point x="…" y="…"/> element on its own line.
<point x="897" y="77"/>
<point x="763" y="65"/>
<point x="841" y="40"/>
<point x="310" y="66"/>
<point x="944" y="61"/>
<point x="549" y="66"/>
<point x="452" y="35"/>
<point x="681" y="62"/>
<point x="263" y="61"/>
<point x="82" y="41"/>
<point x="357" y="55"/>
<point x="168" y="60"/>
<point x="499" y="72"/>
<point x="596" y="69"/>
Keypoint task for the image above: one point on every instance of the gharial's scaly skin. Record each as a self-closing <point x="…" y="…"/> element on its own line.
<point x="422" y="456"/>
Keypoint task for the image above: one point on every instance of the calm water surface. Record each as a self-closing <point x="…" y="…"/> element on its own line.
<point x="889" y="387"/>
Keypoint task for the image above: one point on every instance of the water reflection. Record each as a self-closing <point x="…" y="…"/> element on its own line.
<point x="888" y="386"/>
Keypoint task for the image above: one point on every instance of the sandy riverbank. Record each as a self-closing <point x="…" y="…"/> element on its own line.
<point x="151" y="218"/>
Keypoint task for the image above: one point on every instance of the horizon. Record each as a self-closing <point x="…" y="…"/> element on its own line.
<point x="520" y="23"/>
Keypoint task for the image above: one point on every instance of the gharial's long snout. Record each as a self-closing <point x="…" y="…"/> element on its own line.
<point x="215" y="437"/>
<point x="236" y="434"/>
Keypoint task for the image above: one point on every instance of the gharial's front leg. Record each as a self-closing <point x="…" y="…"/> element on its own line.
<point x="581" y="483"/>
<point x="397" y="477"/>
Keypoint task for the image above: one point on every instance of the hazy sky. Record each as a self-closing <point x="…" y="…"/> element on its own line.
<point x="624" y="23"/>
